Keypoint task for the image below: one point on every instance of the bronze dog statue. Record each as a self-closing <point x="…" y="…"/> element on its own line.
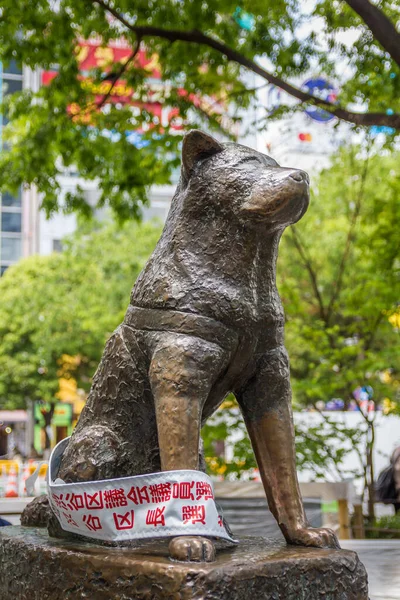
<point x="204" y="319"/>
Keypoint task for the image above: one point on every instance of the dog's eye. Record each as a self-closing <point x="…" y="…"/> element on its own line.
<point x="249" y="161"/>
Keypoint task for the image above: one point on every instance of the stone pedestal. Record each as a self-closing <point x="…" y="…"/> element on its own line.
<point x="36" y="567"/>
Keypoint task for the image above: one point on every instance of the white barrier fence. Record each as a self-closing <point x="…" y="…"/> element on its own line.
<point x="13" y="475"/>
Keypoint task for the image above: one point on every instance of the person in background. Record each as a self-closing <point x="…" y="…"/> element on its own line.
<point x="395" y="461"/>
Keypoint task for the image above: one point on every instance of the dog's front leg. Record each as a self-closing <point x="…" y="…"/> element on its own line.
<point x="182" y="371"/>
<point x="266" y="405"/>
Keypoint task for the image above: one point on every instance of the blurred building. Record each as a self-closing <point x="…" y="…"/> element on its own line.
<point x="24" y="229"/>
<point x="11" y="206"/>
<point x="304" y="140"/>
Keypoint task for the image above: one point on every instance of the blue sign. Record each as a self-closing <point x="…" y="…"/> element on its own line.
<point x="320" y="88"/>
<point x="244" y="19"/>
<point x="375" y="129"/>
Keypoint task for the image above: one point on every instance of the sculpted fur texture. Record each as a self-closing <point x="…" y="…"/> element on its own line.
<point x="204" y="319"/>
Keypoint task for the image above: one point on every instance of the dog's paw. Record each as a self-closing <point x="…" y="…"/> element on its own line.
<point x="192" y="549"/>
<point x="37" y="512"/>
<point x="315" y="538"/>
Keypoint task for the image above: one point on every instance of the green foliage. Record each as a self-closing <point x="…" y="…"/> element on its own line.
<point x="375" y="80"/>
<point x="385" y="528"/>
<point x="66" y="304"/>
<point x="320" y="449"/>
<point x="192" y="41"/>
<point x="227" y="425"/>
<point x="338" y="274"/>
<point x="339" y="278"/>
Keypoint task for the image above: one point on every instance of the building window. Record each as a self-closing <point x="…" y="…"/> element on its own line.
<point x="57" y="245"/>
<point x="10" y="200"/>
<point x="11" y="249"/>
<point x="12" y="68"/>
<point x="11" y="222"/>
<point x="11" y="85"/>
<point x="10" y="204"/>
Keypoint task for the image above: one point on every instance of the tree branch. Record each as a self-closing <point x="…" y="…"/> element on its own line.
<point x="118" y="75"/>
<point x="380" y="25"/>
<point x="197" y="37"/>
<point x="307" y="263"/>
<point x="115" y="78"/>
<point x="370" y="339"/>
<point x="337" y="286"/>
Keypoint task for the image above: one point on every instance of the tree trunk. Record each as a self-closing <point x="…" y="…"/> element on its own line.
<point x="370" y="470"/>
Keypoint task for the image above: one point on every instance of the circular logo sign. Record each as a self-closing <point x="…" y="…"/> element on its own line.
<point x="320" y="88"/>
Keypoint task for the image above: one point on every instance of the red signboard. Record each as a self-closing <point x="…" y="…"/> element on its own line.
<point x="93" y="54"/>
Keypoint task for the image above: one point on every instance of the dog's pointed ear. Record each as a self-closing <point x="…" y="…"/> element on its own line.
<point x="197" y="145"/>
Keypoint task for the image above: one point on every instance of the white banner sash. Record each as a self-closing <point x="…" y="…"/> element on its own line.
<point x="165" y="504"/>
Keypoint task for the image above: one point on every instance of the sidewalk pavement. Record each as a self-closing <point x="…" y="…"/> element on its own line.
<point x="382" y="561"/>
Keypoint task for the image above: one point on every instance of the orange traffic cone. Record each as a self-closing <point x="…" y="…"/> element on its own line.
<point x="25" y="475"/>
<point x="12" y="486"/>
<point x="3" y="480"/>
